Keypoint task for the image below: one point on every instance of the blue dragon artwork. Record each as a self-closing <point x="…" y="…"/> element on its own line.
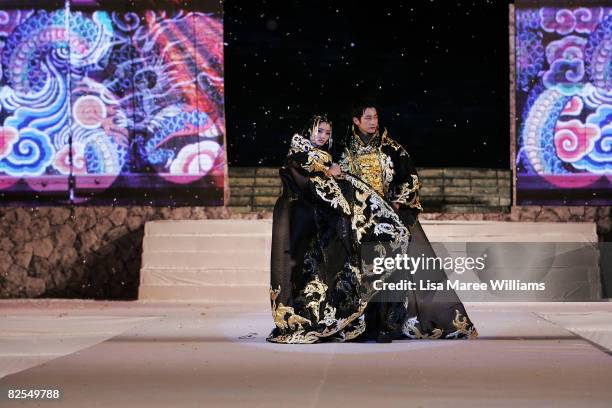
<point x="112" y="106"/>
<point x="564" y="101"/>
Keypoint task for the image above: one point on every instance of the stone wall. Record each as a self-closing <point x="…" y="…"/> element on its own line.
<point x="81" y="252"/>
<point x="456" y="190"/>
<point x="95" y="252"/>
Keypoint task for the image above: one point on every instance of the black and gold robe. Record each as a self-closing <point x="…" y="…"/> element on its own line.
<point x="320" y="285"/>
<point x="386" y="167"/>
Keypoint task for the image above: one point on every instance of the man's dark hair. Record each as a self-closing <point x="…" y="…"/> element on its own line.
<point x="361" y="105"/>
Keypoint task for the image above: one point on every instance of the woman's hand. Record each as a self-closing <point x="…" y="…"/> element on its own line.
<point x="335" y="170"/>
<point x="396" y="206"/>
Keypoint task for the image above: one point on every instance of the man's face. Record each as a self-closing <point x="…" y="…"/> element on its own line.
<point x="368" y="123"/>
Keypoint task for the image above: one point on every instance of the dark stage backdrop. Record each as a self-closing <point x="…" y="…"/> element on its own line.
<point x="439" y="69"/>
<point x="564" y="103"/>
<point x="112" y="102"/>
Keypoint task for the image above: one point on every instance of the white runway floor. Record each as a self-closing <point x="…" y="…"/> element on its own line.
<point x="139" y="354"/>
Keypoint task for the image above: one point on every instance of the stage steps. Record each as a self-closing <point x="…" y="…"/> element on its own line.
<point x="227" y="261"/>
<point x="206" y="260"/>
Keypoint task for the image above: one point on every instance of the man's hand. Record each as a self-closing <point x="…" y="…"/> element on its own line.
<point x="396" y="206"/>
<point x="335" y="170"/>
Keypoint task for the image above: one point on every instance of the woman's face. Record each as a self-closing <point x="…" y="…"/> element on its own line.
<point x="322" y="134"/>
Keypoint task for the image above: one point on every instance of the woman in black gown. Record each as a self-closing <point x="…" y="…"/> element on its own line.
<point x="321" y="282"/>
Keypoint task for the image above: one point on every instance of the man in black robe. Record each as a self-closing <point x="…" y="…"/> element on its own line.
<point x="384" y="164"/>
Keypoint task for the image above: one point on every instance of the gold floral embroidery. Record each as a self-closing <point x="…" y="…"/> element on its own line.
<point x="411" y="330"/>
<point x="328" y="190"/>
<point x="408" y="193"/>
<point x="370" y="170"/>
<point x="317" y="159"/>
<point x="333" y="324"/>
<point x="367" y="162"/>
<point x="387" y="172"/>
<point x="346" y="165"/>
<point x="316" y="166"/>
<point x="464" y="327"/>
<point x="358" y="221"/>
<point x="379" y="208"/>
<point x="293" y="322"/>
<point x="296" y="337"/>
<point x="315" y="286"/>
<point x="386" y="140"/>
<point x="357" y="329"/>
<point x="299" y="144"/>
<point x="280" y="311"/>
